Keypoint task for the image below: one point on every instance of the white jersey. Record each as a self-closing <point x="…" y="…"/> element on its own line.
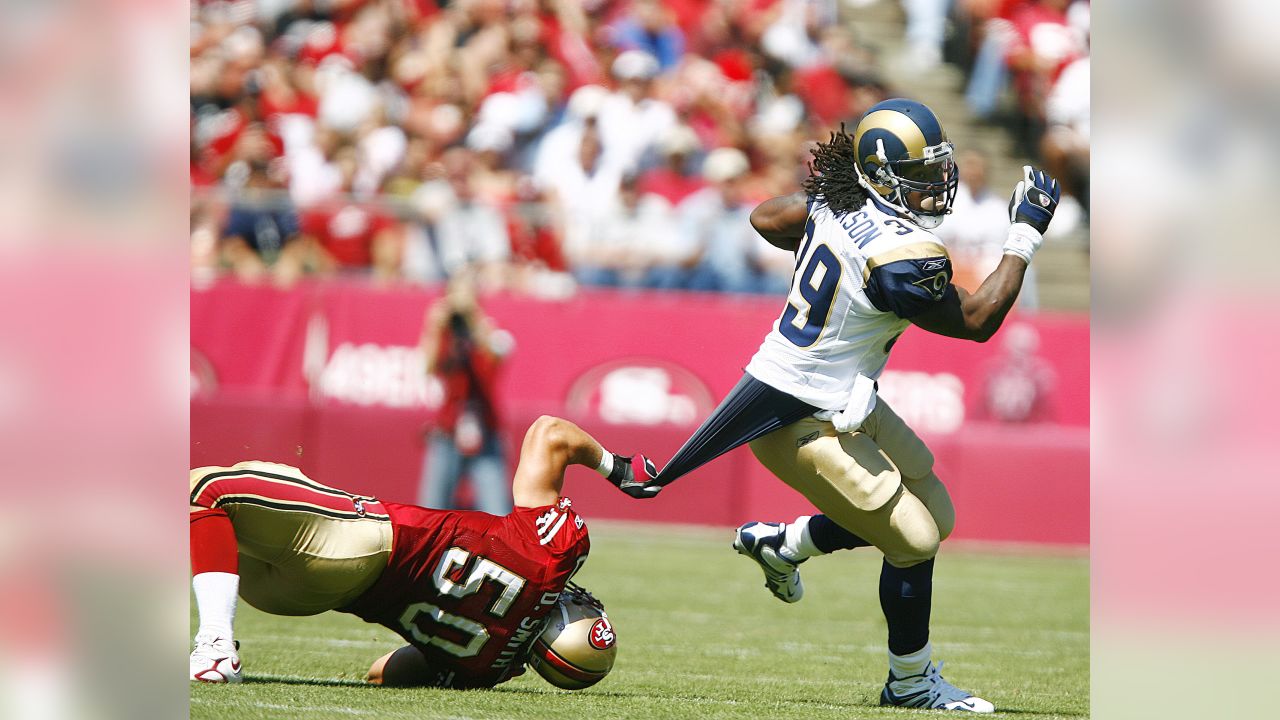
<point x="858" y="279"/>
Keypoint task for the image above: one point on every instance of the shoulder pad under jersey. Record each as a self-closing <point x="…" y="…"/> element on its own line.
<point x="908" y="279"/>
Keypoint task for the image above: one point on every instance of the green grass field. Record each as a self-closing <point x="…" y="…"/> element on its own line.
<point x="700" y="637"/>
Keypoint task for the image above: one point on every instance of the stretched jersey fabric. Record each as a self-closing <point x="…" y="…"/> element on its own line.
<point x="859" y="278"/>
<point x="750" y="410"/>
<point x="472" y="590"/>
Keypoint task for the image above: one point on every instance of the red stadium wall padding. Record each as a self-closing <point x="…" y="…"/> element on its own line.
<point x="326" y="377"/>
<point x="1005" y="490"/>
<point x="1018" y="483"/>
<point x="1008" y="484"/>
<point x="356" y="344"/>
<point x="252" y="337"/>
<point x="231" y="429"/>
<point x="369" y="450"/>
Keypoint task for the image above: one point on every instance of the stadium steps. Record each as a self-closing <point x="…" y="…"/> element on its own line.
<point x="1062" y="264"/>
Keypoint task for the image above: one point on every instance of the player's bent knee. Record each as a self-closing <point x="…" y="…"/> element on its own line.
<point x="937" y="500"/>
<point x="917" y="548"/>
<point x="906" y="561"/>
<point x="406" y="667"/>
<point x="203" y="503"/>
<point x="946" y="523"/>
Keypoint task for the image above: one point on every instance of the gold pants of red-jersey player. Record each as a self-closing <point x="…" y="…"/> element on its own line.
<point x="304" y="547"/>
<point x="877" y="482"/>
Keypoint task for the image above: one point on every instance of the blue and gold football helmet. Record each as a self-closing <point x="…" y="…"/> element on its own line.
<point x="903" y="155"/>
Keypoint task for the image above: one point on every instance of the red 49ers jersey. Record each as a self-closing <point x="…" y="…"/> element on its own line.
<point x="470" y="590"/>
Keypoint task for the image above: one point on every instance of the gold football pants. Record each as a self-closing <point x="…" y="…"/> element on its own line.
<point x="877" y="482"/>
<point x="304" y="548"/>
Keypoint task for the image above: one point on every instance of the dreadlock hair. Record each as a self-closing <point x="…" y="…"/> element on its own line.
<point x="833" y="175"/>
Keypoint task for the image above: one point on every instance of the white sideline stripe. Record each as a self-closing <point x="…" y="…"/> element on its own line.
<point x="546" y="538"/>
<point x="712" y="678"/>
<point x="346" y="682"/>
<point x="381" y="712"/>
<point x="717" y="701"/>
<point x="332" y="642"/>
<point x="989" y="630"/>
<point x="299" y="708"/>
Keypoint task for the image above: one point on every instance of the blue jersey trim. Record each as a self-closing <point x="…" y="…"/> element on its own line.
<point x="907" y="288"/>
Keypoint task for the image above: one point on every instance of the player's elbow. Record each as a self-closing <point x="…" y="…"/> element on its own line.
<point x="767" y="225"/>
<point x="980" y="328"/>
<point x="988" y="328"/>
<point x="982" y="334"/>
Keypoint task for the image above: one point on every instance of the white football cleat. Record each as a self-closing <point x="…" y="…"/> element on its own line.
<point x="215" y="660"/>
<point x="760" y="542"/>
<point x="930" y="690"/>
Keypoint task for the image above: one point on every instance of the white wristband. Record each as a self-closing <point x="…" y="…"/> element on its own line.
<point x="605" y="467"/>
<point x="1023" y="241"/>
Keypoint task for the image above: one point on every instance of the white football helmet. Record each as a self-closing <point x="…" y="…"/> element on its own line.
<point x="577" y="647"/>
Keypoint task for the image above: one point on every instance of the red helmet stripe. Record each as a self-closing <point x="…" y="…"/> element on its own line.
<point x="565" y="667"/>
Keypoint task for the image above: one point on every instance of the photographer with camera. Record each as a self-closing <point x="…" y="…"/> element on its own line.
<point x="465" y="351"/>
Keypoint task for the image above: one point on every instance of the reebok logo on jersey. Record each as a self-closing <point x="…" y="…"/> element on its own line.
<point x="936" y="264"/>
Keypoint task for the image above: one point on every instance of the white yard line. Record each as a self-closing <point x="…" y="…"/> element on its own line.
<point x="331" y="642"/>
<point x="343" y="710"/>
<point x="340" y="709"/>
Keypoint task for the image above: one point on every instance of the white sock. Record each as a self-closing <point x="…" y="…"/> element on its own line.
<point x="913" y="664"/>
<point x="797" y="543"/>
<point x="216" y="601"/>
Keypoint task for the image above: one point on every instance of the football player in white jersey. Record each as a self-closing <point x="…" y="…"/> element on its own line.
<point x="866" y="268"/>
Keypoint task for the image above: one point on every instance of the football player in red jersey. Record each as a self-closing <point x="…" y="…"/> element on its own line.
<point x="469" y="591"/>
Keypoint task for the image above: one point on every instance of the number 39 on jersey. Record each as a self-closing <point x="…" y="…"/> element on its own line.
<point x="859" y="278"/>
<point x="812" y="295"/>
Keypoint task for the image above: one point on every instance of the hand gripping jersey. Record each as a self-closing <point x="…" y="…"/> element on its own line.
<point x="858" y="279"/>
<point x="471" y="590"/>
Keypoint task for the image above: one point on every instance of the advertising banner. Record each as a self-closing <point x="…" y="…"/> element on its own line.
<point x="330" y="378"/>
<point x="623" y="357"/>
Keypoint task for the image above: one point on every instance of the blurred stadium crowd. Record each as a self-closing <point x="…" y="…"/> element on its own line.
<point x="1041" y="49"/>
<point x="545" y="143"/>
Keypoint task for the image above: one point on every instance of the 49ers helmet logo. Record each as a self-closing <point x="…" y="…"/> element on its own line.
<point x="601" y="637"/>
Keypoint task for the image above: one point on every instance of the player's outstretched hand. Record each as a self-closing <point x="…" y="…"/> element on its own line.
<point x="1034" y="199"/>
<point x="624" y="477"/>
<point x="1030" y="210"/>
